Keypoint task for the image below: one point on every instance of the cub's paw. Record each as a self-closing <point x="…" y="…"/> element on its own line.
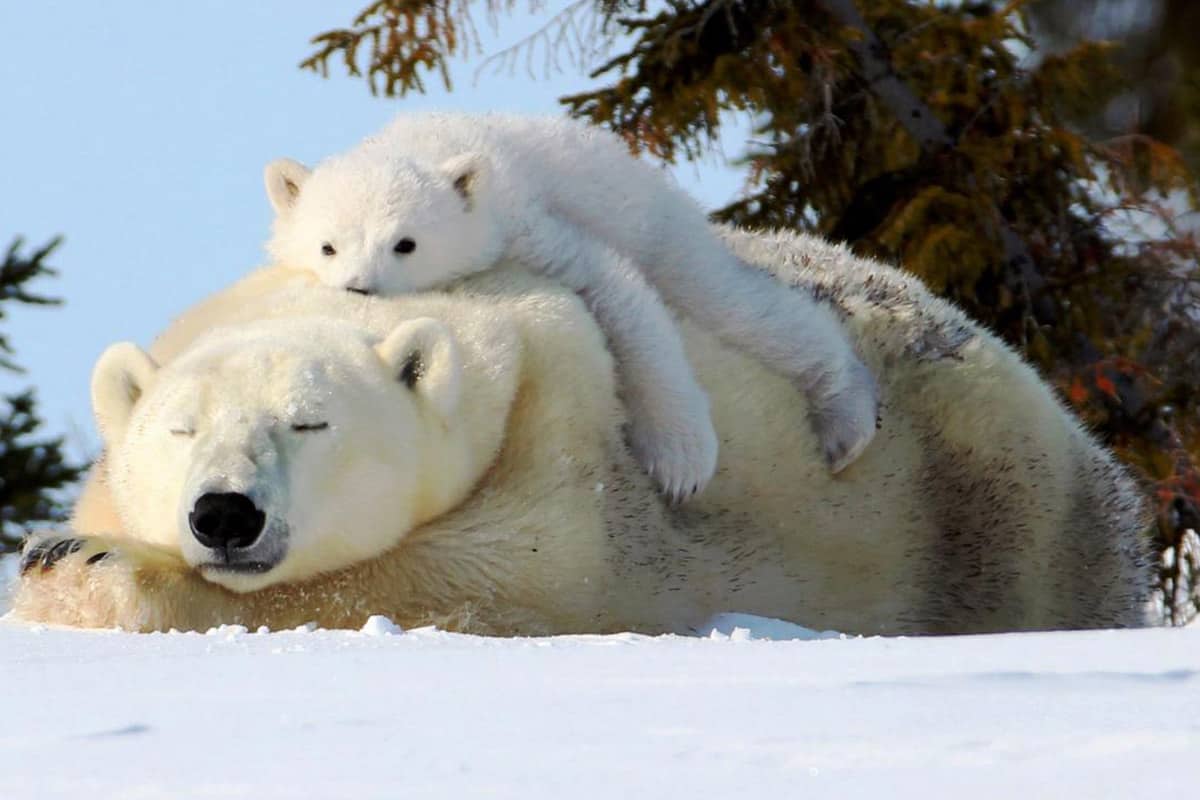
<point x="679" y="452"/>
<point x="845" y="416"/>
<point x="84" y="581"/>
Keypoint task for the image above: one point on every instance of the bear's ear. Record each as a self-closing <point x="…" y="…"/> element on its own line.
<point x="467" y="173"/>
<point x="423" y="355"/>
<point x="119" y="379"/>
<point x="284" y="179"/>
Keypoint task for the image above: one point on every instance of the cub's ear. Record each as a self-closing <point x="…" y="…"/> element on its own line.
<point x="119" y="379"/>
<point x="468" y="174"/>
<point x="284" y="178"/>
<point x="423" y="355"/>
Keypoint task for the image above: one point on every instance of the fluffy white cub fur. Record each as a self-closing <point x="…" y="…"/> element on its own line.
<point x="435" y="197"/>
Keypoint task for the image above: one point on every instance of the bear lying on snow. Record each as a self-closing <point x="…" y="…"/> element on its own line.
<point x="458" y="459"/>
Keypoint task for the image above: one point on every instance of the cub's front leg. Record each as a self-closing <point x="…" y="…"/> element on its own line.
<point x="108" y="582"/>
<point x="670" y="425"/>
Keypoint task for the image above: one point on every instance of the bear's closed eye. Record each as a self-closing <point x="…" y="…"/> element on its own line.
<point x="307" y="427"/>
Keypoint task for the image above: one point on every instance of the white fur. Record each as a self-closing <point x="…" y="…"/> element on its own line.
<point x="222" y="419"/>
<point x="983" y="506"/>
<point x="569" y="201"/>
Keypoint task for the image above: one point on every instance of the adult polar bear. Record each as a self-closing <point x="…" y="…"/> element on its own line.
<point x="981" y="506"/>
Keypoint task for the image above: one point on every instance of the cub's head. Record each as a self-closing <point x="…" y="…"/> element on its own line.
<point x="373" y="222"/>
<point x="278" y="450"/>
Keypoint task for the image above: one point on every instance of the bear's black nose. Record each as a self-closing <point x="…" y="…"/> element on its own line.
<point x="224" y="520"/>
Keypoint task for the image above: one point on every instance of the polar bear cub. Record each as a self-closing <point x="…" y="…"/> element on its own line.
<point x="436" y="197"/>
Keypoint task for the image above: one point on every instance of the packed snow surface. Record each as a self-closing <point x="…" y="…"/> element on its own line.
<point x="386" y="713"/>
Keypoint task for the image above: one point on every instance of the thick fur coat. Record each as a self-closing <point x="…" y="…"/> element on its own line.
<point x="434" y="197"/>
<point x="982" y="505"/>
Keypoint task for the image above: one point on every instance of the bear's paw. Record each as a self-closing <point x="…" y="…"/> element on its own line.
<point x="94" y="582"/>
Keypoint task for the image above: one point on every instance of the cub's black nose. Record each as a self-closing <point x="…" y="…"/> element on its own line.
<point x="224" y="520"/>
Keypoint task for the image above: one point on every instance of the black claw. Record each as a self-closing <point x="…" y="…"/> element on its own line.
<point x="33" y="556"/>
<point x="98" y="557"/>
<point x="60" y="550"/>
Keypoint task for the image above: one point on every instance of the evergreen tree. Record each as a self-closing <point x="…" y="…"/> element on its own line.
<point x="33" y="468"/>
<point x="946" y="137"/>
<point x="1159" y="58"/>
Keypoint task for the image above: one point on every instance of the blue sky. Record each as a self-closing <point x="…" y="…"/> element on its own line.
<point x="139" y="131"/>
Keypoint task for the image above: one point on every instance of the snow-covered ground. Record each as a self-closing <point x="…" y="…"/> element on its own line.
<point x="382" y="714"/>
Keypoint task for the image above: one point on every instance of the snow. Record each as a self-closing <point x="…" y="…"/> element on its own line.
<point x="385" y="713"/>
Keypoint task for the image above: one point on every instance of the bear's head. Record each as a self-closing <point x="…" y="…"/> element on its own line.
<point x="278" y="450"/>
<point x="375" y="222"/>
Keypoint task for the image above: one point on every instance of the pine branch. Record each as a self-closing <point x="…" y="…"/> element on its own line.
<point x="395" y="43"/>
<point x="33" y="469"/>
<point x="923" y="125"/>
<point x="910" y="111"/>
<point x="579" y="29"/>
<point x="16" y="273"/>
<point x="18" y="270"/>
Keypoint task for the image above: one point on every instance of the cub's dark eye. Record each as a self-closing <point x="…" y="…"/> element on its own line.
<point x="327" y="249"/>
<point x="186" y="432"/>
<point x="405" y="246"/>
<point x="309" y="427"/>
